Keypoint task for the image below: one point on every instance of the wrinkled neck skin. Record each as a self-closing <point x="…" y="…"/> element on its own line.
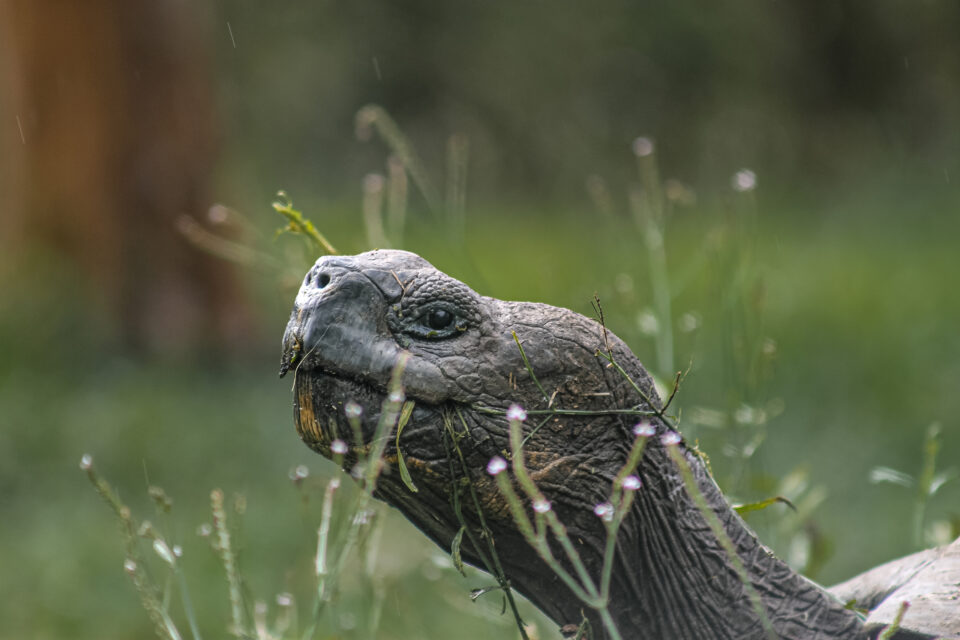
<point x="674" y="579"/>
<point x="671" y="577"/>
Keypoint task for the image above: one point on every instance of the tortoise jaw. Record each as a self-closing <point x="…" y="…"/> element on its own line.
<point x="321" y="401"/>
<point x="292" y="347"/>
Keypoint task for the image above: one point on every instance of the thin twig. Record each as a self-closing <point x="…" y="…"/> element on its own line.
<point x="891" y="630"/>
<point x="526" y="363"/>
<point x="676" y="387"/>
<point x="567" y="412"/>
<point x="643" y="396"/>
<point x="598" y="309"/>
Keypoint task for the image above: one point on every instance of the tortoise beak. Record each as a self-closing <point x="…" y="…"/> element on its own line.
<point x="292" y="346"/>
<point x="335" y="320"/>
<point x="303" y="321"/>
<point x="304" y="330"/>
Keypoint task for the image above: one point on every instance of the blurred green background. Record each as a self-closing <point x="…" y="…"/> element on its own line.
<point x="816" y="310"/>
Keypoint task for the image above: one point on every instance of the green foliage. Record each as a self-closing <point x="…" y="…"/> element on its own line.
<point x="401" y="423"/>
<point x="927" y="484"/>
<point x="743" y="509"/>
<point x="891" y="629"/>
<point x="298" y="225"/>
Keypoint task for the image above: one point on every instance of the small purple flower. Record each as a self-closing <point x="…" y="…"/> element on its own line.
<point x="670" y="438"/>
<point x="541" y="506"/>
<point x="496" y="465"/>
<point x="396" y="396"/>
<point x="338" y="447"/>
<point x="631" y="483"/>
<point x="353" y="410"/>
<point x="604" y="511"/>
<point x="516" y="412"/>
<point x="177" y="551"/>
<point x="86" y="462"/>
<point x="644" y="429"/>
<point x="204" y="530"/>
<point x="129" y="566"/>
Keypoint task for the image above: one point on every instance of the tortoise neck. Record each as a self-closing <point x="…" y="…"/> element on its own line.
<point x="673" y="578"/>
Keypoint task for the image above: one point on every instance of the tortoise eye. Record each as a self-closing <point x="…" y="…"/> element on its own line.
<point x="435" y="321"/>
<point x="439" y="319"/>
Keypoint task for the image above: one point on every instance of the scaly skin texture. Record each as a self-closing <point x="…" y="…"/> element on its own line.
<point x="353" y="317"/>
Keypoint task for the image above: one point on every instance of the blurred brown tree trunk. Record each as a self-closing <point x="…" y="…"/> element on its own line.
<point x="110" y="136"/>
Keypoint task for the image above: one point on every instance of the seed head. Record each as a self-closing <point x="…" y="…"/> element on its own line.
<point x="541" y="506"/>
<point x="145" y="530"/>
<point x="160" y="497"/>
<point x="164" y="552"/>
<point x="631" y="483"/>
<point x="338" y="447"/>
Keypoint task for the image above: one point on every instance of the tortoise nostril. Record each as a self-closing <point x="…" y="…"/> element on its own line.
<point x="323" y="280"/>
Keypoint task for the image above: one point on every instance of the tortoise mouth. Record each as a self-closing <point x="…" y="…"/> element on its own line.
<point x="322" y="402"/>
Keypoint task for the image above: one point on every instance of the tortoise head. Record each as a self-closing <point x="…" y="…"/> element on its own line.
<point x="353" y="318"/>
